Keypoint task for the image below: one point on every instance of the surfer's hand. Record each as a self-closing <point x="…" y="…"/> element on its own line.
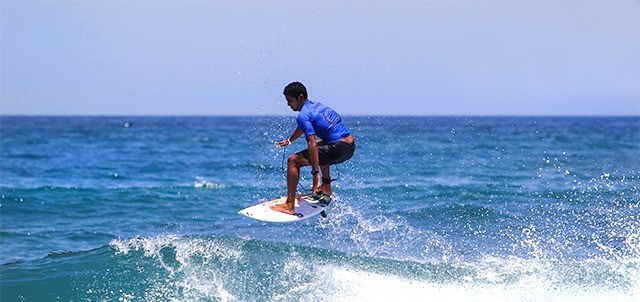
<point x="283" y="143"/>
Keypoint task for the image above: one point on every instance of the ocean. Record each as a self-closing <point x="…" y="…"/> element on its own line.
<point x="428" y="209"/>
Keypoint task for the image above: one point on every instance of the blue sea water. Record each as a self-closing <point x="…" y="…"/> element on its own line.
<point x="429" y="209"/>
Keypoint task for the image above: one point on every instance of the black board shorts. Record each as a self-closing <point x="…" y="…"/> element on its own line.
<point x="332" y="154"/>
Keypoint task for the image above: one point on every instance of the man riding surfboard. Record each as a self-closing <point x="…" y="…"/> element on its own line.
<point x="329" y="142"/>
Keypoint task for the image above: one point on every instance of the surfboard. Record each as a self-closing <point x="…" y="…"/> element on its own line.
<point x="307" y="206"/>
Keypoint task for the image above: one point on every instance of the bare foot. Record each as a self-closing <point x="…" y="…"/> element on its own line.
<point x="284" y="208"/>
<point x="326" y="189"/>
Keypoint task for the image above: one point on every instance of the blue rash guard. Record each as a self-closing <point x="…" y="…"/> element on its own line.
<point x="317" y="119"/>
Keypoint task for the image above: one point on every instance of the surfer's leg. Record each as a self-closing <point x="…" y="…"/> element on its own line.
<point x="294" y="163"/>
<point x="293" y="177"/>
<point x="326" y="174"/>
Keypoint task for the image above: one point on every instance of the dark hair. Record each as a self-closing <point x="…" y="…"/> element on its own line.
<point x="295" y="89"/>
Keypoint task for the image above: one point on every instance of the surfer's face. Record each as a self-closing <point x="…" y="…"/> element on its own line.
<point x="295" y="103"/>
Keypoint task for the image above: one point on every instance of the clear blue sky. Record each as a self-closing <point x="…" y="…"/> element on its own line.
<point x="383" y="57"/>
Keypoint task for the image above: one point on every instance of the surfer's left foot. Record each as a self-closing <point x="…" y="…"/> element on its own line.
<point x="284" y="208"/>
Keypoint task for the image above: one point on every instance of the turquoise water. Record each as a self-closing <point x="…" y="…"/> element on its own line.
<point x="429" y="208"/>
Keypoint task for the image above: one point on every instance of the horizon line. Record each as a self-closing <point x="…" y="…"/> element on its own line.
<point x="2" y="115"/>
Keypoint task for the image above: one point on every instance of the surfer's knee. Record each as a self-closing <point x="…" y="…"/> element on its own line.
<point x="295" y="160"/>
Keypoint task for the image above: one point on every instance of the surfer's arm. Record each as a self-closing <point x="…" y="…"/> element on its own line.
<point x="292" y="138"/>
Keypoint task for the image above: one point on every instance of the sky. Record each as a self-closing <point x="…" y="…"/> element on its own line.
<point x="424" y="58"/>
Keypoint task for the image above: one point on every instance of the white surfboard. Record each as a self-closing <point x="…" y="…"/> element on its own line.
<point x="307" y="206"/>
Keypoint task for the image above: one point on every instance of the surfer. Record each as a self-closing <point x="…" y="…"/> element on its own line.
<point x="329" y="142"/>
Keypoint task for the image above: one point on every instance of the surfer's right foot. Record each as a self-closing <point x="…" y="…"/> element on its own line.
<point x="284" y="208"/>
<point x="326" y="189"/>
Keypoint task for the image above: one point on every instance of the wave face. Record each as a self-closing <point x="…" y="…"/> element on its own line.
<point x="174" y="268"/>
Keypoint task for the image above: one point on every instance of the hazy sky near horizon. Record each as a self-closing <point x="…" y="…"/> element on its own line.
<point x="359" y="57"/>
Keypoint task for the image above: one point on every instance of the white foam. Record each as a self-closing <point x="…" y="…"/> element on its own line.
<point x="345" y="284"/>
<point x="189" y="280"/>
<point x="208" y="269"/>
<point x="202" y="182"/>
